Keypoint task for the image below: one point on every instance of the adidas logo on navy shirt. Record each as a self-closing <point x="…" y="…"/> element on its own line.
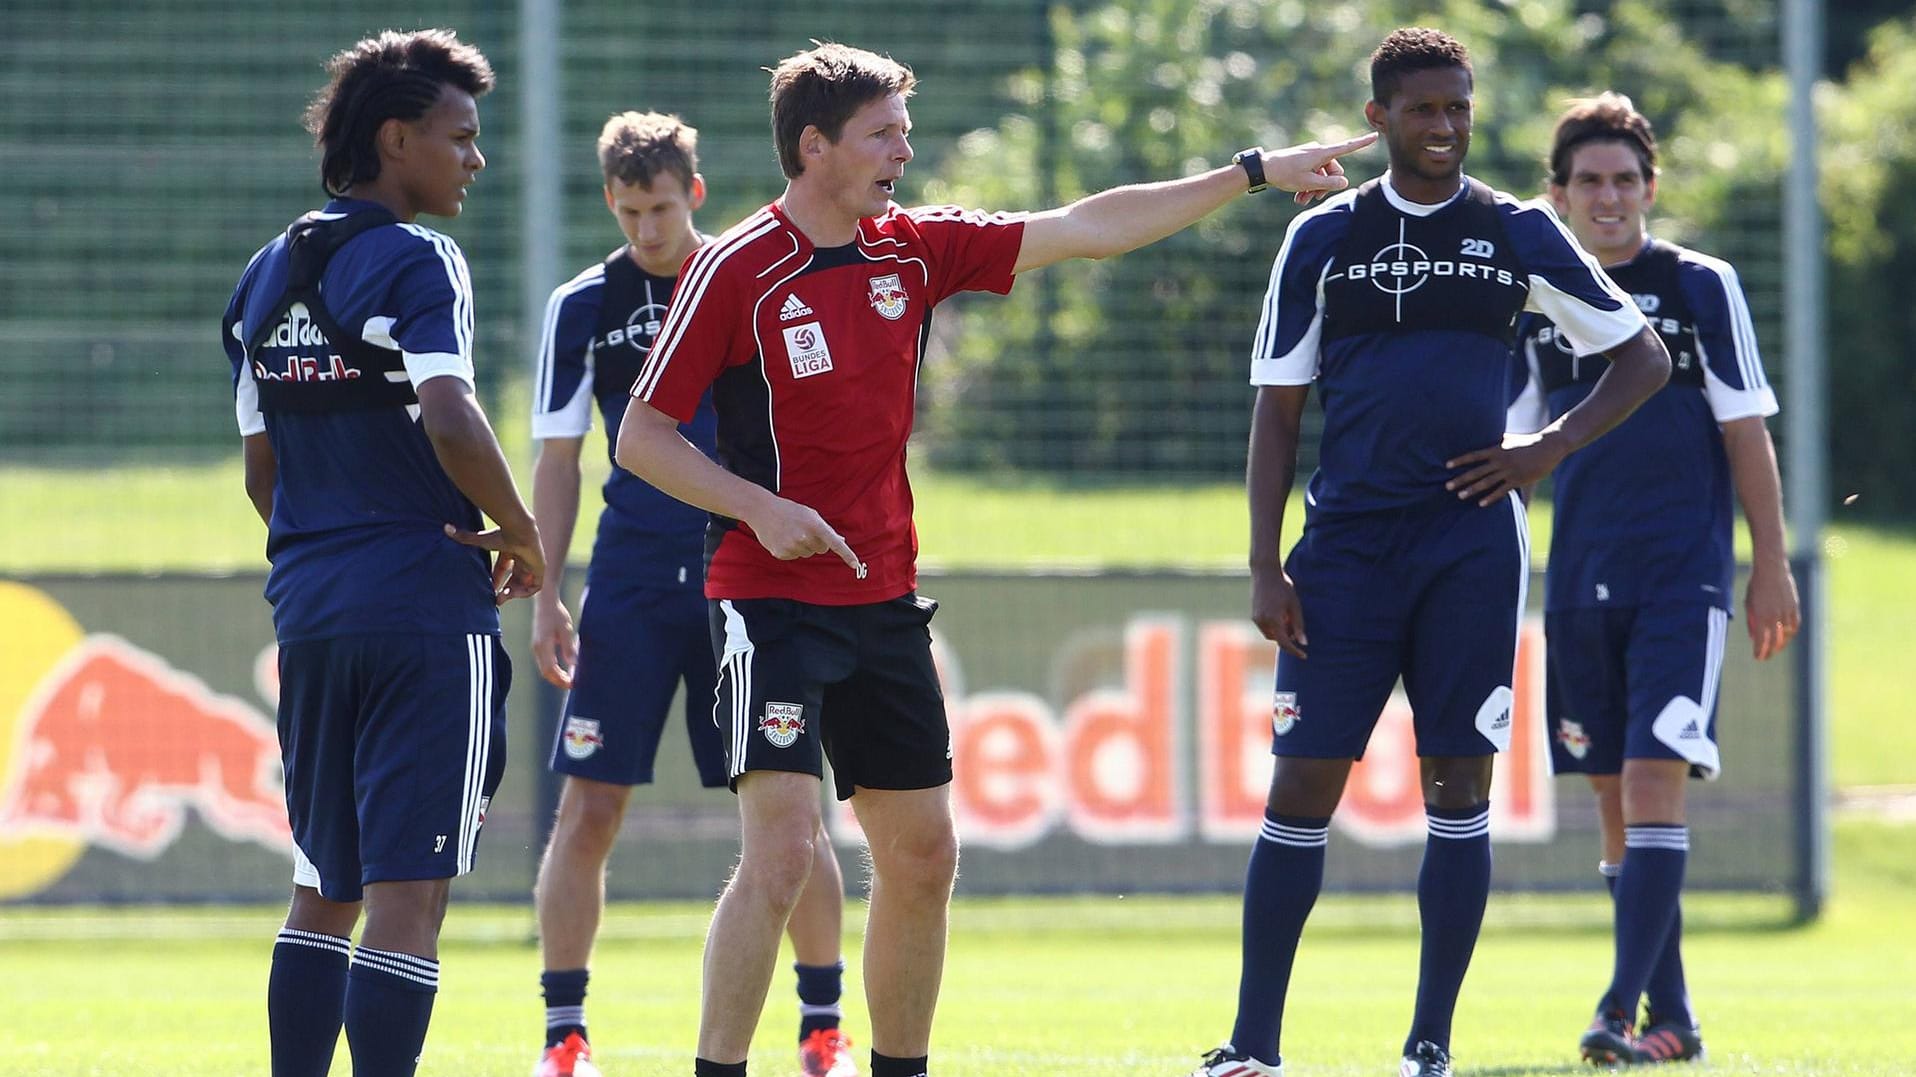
<point x="793" y="308"/>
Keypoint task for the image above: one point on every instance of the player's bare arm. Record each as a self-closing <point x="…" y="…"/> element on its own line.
<point x="1770" y="604"/>
<point x="651" y="447"/>
<point x="555" y="508"/>
<point x="1126" y="218"/>
<point x="262" y="474"/>
<point x="1638" y="368"/>
<point x="1275" y="421"/>
<point x="463" y="441"/>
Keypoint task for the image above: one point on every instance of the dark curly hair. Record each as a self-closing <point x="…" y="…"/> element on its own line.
<point x="1413" y="48"/>
<point x="1607" y="117"/>
<point x="396" y="75"/>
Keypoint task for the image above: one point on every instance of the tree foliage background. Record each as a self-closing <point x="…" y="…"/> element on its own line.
<point x="1139" y="363"/>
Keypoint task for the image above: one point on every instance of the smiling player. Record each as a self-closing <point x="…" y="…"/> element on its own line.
<point x="1399" y="299"/>
<point x="1638" y="595"/>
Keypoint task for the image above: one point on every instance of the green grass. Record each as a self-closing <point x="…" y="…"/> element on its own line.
<point x="153" y="519"/>
<point x="1090" y="986"/>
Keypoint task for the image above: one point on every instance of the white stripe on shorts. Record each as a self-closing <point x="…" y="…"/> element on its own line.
<point x="478" y="745"/>
<point x="736" y="668"/>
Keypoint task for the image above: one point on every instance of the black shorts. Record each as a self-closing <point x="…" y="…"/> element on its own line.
<point x="799" y="684"/>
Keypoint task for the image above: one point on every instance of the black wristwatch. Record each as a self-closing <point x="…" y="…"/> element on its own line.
<point x="1252" y="162"/>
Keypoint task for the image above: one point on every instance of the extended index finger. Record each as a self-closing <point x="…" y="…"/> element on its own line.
<point x="1325" y="154"/>
<point x="837" y="544"/>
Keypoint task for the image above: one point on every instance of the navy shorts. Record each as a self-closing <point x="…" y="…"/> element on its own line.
<point x="1433" y="594"/>
<point x="393" y="746"/>
<point x="800" y="683"/>
<point x="1635" y="682"/>
<point x="636" y="645"/>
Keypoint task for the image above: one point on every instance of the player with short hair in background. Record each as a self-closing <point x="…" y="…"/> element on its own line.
<point x="1638" y="592"/>
<point x="642" y="627"/>
<point x="807" y="323"/>
<point x="1399" y="300"/>
<point x="370" y="460"/>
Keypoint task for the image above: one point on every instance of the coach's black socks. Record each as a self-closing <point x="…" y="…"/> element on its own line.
<point x="1280" y="886"/>
<point x="564" y="990"/>
<point x="819" y="987"/>
<point x="1452" y="888"/>
<point x="389" y="999"/>
<point x="1654" y="857"/>
<point x="305" y="998"/>
<point x="887" y="1066"/>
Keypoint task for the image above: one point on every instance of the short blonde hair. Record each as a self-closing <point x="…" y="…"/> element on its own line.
<point x="635" y="147"/>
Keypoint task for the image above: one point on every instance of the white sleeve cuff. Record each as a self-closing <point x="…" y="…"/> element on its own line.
<point x="423" y="368"/>
<point x="1277" y="372"/>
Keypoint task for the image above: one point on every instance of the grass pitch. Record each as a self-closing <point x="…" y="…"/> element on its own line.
<point x="1093" y="986"/>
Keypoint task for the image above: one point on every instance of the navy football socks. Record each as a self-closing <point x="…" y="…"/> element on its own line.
<point x="1280" y="886"/>
<point x="564" y="991"/>
<point x="389" y="998"/>
<point x="1654" y="857"/>
<point x="819" y="987"/>
<point x="705" y="1067"/>
<point x="1452" y="887"/>
<point x="305" y="1001"/>
<point x="1668" y="991"/>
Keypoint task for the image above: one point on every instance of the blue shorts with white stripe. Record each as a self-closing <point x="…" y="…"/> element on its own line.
<point x="1431" y="594"/>
<point x="393" y="746"/>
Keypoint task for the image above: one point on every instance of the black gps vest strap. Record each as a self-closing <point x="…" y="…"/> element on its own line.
<point x="1654" y="278"/>
<point x="311" y="364"/>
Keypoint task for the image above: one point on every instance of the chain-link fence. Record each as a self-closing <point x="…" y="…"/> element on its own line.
<point x="150" y="149"/>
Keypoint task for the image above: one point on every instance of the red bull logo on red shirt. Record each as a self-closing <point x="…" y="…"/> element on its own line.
<point x="888" y="296"/>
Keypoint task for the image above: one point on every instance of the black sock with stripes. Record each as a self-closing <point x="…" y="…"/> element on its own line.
<point x="389" y="998"/>
<point x="564" y="990"/>
<point x="819" y="987"/>
<point x="305" y="1001"/>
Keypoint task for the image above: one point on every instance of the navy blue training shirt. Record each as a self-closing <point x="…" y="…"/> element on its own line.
<point x="356" y="537"/>
<point x="599" y="330"/>
<point x="1644" y="513"/>
<point x="1404" y="314"/>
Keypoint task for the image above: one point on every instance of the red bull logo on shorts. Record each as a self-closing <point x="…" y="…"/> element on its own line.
<point x="1284" y="712"/>
<point x="782" y="723"/>
<point x="582" y="737"/>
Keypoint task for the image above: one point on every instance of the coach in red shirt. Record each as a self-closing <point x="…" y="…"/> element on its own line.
<point x="808" y="322"/>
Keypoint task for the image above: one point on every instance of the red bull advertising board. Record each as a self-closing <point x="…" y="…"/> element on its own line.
<point x="1109" y="732"/>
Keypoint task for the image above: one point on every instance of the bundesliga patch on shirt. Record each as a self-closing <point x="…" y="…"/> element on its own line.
<point x="805" y="346"/>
